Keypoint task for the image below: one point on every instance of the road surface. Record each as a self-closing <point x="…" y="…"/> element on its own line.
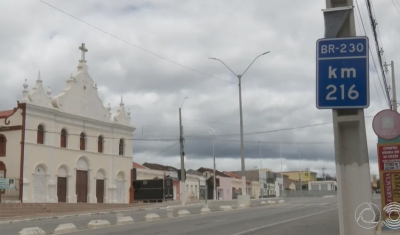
<point x="307" y="215"/>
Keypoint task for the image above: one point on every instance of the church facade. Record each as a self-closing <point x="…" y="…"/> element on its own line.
<point x="69" y="147"/>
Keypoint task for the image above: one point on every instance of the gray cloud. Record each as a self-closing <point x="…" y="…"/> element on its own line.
<point x="278" y="90"/>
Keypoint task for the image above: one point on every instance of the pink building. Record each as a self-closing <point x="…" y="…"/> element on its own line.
<point x="225" y="188"/>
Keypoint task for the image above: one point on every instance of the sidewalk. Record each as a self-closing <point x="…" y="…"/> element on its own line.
<point x="140" y="207"/>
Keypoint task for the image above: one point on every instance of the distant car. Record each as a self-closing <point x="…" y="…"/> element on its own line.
<point x="378" y="190"/>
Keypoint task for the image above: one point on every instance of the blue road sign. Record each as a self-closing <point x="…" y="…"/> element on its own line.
<point x="342" y="73"/>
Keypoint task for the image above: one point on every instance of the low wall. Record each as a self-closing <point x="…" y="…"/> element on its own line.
<point x="308" y="193"/>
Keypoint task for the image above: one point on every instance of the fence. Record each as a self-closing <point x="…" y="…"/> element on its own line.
<point x="308" y="193"/>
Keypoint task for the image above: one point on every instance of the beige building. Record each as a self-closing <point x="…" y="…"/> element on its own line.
<point x="68" y="147"/>
<point x="306" y="176"/>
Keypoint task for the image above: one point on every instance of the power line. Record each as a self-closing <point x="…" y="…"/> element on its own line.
<point x="370" y="52"/>
<point x="396" y="6"/>
<point x="378" y="50"/>
<point x="261" y="132"/>
<point x="160" y="151"/>
<point x="133" y="45"/>
<point x="264" y="132"/>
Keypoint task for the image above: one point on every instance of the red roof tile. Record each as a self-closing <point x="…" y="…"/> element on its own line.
<point x="138" y="166"/>
<point x="231" y="174"/>
<point x="6" y="113"/>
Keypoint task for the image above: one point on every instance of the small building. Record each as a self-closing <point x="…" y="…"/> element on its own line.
<point x="223" y="184"/>
<point x="303" y="176"/>
<point x="200" y="194"/>
<point x="259" y="175"/>
<point x="322" y="185"/>
<point x="236" y="184"/>
<point x="169" y="172"/>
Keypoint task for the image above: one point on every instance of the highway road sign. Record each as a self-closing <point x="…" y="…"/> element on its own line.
<point x="342" y="73"/>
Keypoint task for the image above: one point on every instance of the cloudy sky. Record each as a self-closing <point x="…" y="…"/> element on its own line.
<point x="155" y="53"/>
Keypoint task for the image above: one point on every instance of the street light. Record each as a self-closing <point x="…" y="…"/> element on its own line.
<point x="241" y="117"/>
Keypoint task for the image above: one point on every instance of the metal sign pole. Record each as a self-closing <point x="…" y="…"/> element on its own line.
<point x="343" y="86"/>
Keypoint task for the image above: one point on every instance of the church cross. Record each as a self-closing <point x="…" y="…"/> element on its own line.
<point x="83" y="49"/>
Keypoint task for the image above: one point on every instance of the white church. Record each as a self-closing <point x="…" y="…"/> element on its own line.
<point x="68" y="147"/>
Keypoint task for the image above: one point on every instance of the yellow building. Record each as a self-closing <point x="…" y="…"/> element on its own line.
<point x="306" y="176"/>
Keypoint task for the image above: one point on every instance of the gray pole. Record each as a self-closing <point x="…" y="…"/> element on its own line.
<point x="241" y="136"/>
<point x="183" y="194"/>
<point x="301" y="188"/>
<point x="280" y="148"/>
<point x="247" y="199"/>
<point x="214" y="184"/>
<point x="351" y="149"/>
<point x="261" y="188"/>
<point x="394" y="100"/>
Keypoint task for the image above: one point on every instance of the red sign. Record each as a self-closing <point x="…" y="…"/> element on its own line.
<point x="390" y="183"/>
<point x="387" y="188"/>
<point x="389" y="157"/>
<point x="386" y="124"/>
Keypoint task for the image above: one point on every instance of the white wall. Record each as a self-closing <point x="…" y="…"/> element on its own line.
<point x="145" y="174"/>
<point x="54" y="160"/>
<point x="277" y="188"/>
<point x="192" y="187"/>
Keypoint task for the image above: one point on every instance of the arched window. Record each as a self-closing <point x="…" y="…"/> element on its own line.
<point x="100" y="142"/>
<point x="121" y="147"/>
<point x="3" y="145"/>
<point x="63" y="142"/>
<point x="40" y="134"/>
<point x="82" y="141"/>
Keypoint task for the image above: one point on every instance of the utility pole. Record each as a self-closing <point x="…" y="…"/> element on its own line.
<point x="182" y="153"/>
<point x="351" y="151"/>
<point x="280" y="147"/>
<point x="394" y="100"/>
<point x="262" y="188"/>
<point x="260" y="155"/>
<point x="301" y="185"/>
<point x="183" y="188"/>
<point x="214" y="184"/>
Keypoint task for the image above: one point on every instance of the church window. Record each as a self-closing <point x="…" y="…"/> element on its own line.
<point x="82" y="141"/>
<point x="121" y="147"/>
<point x="3" y="144"/>
<point x="40" y="134"/>
<point x="64" y="134"/>
<point x="100" y="143"/>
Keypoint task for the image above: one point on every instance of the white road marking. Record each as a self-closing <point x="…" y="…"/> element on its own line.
<point x="324" y="204"/>
<point x="298" y="205"/>
<point x="282" y="222"/>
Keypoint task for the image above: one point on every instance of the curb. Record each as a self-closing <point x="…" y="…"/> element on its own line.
<point x="98" y="213"/>
<point x="94" y="213"/>
<point x="99" y="224"/>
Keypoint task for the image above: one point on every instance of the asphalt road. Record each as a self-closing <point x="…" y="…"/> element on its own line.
<point x="308" y="215"/>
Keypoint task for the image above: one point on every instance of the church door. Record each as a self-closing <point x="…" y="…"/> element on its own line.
<point x="62" y="189"/>
<point x="100" y="191"/>
<point x="81" y="186"/>
<point x="40" y="184"/>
